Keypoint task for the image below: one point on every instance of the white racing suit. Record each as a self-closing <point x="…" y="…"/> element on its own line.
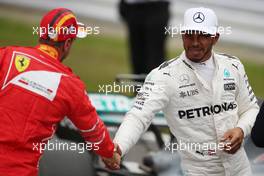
<point x="197" y="113"/>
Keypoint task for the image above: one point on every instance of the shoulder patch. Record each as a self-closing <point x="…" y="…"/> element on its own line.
<point x="167" y="63"/>
<point x="21" y="62"/>
<point x="43" y="83"/>
<point x="165" y="73"/>
<point x="236" y="66"/>
<point x="234" y="60"/>
<point x="229" y="56"/>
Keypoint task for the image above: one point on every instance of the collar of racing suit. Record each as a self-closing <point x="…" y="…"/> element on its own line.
<point x="205" y="69"/>
<point x="183" y="56"/>
<point x="189" y="64"/>
<point x="49" y="50"/>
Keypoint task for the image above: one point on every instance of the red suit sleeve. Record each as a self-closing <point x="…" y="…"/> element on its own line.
<point x="1" y="54"/>
<point x="92" y="128"/>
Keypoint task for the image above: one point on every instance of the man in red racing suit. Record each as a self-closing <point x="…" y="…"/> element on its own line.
<point x="38" y="91"/>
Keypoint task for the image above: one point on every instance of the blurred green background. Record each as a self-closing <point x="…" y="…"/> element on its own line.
<point x="97" y="59"/>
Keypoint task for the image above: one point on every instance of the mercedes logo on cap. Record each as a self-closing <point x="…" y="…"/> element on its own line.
<point x="198" y="17"/>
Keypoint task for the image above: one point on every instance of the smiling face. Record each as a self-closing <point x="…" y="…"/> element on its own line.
<point x="198" y="46"/>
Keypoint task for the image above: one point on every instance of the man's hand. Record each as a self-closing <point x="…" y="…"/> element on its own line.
<point x="233" y="139"/>
<point x="114" y="162"/>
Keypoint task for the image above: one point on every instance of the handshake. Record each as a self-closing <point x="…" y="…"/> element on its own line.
<point x="114" y="162"/>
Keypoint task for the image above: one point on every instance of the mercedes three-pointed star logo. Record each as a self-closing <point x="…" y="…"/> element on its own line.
<point x="198" y="17"/>
<point x="184" y="78"/>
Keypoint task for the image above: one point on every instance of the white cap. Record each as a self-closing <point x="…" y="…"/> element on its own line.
<point x="82" y="33"/>
<point x="200" y="19"/>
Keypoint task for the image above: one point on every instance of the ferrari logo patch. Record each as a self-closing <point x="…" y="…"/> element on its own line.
<point x="21" y="63"/>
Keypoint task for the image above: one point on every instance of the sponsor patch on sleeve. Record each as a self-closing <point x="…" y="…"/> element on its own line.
<point x="229" y="86"/>
<point x="21" y="62"/>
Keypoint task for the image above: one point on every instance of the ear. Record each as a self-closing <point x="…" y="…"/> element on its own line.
<point x="67" y="44"/>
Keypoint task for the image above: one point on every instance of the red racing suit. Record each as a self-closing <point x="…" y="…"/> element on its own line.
<point x="37" y="92"/>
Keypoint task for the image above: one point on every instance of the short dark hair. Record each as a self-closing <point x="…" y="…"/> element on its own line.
<point x="50" y="42"/>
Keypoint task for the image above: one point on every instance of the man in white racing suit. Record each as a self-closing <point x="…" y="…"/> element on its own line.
<point x="206" y="100"/>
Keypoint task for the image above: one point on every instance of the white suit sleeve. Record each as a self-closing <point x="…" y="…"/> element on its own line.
<point x="153" y="97"/>
<point x="247" y="103"/>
